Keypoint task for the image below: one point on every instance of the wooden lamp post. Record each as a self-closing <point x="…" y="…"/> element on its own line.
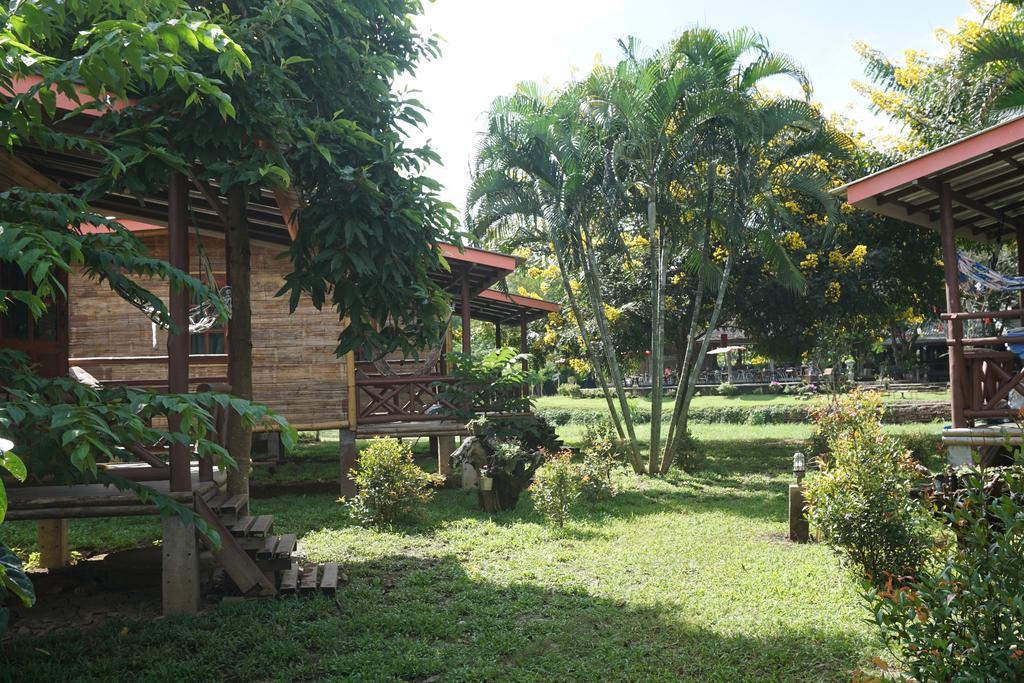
<point x="799" y="528"/>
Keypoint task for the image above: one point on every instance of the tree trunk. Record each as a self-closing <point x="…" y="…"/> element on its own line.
<point x="691" y="386"/>
<point x="657" y="330"/>
<point x="597" y="304"/>
<point x="239" y="342"/>
<point x="687" y="368"/>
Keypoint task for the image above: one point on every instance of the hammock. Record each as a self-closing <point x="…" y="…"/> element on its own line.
<point x="984" y="277"/>
<point x="384" y="367"/>
<point x="202" y="316"/>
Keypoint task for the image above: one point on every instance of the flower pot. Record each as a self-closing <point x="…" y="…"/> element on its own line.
<point x="486" y="483"/>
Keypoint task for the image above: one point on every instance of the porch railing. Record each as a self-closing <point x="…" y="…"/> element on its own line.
<point x="214" y="368"/>
<point x="982" y="372"/>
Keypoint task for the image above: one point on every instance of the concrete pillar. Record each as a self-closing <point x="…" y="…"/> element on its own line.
<point x="469" y="477"/>
<point x="959" y="456"/>
<point x="180" y="567"/>
<point x="348" y="456"/>
<point x="52" y="535"/>
<point x="445" y="447"/>
<point x="799" y="528"/>
<point x="274" y="447"/>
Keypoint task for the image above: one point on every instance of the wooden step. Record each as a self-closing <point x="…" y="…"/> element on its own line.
<point x="289" y="581"/>
<point x="236" y="562"/>
<point x="307" y="584"/>
<point x="242" y="526"/>
<point x="329" y="578"/>
<point x="266" y="552"/>
<point x="233" y="504"/>
<point x="261" y="526"/>
<point x="216" y="500"/>
<point x="285" y="546"/>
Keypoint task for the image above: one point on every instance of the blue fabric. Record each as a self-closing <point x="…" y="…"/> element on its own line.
<point x="984" y="277"/>
<point x="1014" y="347"/>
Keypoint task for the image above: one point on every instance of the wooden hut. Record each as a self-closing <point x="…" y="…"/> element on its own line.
<point x="970" y="191"/>
<point x="294" y="367"/>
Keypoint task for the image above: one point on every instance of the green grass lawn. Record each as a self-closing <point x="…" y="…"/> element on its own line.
<point x="677" y="579"/>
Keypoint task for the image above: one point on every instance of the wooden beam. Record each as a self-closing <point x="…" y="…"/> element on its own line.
<point x="467" y="346"/>
<point x="212" y="198"/>
<point x="523" y="348"/>
<point x="178" y="343"/>
<point x="16" y="173"/>
<point x="955" y="328"/>
<point x="967" y="202"/>
<point x="239" y="340"/>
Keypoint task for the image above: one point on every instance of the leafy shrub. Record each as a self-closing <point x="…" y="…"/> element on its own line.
<point x="570" y="389"/>
<point x="727" y="389"/>
<point x="556" y="487"/>
<point x="392" y="489"/>
<point x="964" y="620"/>
<point x="689" y="452"/>
<point x="532" y="431"/>
<point x="836" y="419"/>
<point x="924" y="447"/>
<point x="861" y="501"/>
<point x="509" y="449"/>
<point x="491" y="383"/>
<point x="602" y="452"/>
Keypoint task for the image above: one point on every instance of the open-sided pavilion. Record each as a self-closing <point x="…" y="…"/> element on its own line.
<point x="971" y="190"/>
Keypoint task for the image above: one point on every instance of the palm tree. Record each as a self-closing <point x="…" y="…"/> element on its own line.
<point x="635" y="104"/>
<point x="999" y="54"/>
<point x="533" y="175"/>
<point x="758" y="154"/>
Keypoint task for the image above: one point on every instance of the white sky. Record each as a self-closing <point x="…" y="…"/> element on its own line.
<point x="490" y="45"/>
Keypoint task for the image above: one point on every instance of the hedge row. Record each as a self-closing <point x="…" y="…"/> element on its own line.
<point x="759" y="415"/>
<point x="750" y="415"/>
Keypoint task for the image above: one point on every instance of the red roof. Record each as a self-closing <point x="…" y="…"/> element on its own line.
<point x="985" y="174"/>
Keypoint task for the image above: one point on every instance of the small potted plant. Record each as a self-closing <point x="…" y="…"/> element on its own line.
<point x="486" y="481"/>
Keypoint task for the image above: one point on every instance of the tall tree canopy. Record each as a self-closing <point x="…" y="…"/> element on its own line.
<point x="679" y="149"/>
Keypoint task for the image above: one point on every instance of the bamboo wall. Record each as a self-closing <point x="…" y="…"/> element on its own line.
<point x="295" y="371"/>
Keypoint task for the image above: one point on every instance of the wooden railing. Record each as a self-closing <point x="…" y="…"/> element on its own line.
<point x="95" y="364"/>
<point x="983" y="373"/>
<point x="401" y="398"/>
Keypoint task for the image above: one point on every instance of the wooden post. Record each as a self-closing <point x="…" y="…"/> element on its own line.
<point x="442" y="365"/>
<point x="467" y="347"/>
<point x="799" y="527"/>
<point x="239" y="343"/>
<point x="180" y="554"/>
<point x="955" y="328"/>
<point x="347" y="455"/>
<point x="178" y="342"/>
<point x="523" y="348"/>
<point x="497" y="334"/>
<point x="1020" y="264"/>
<point x="52" y="535"/>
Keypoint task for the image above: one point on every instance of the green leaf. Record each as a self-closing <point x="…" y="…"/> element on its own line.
<point x="13" y="464"/>
<point x="13" y="577"/>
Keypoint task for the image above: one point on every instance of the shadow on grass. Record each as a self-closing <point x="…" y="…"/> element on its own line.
<point x="412" y="618"/>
